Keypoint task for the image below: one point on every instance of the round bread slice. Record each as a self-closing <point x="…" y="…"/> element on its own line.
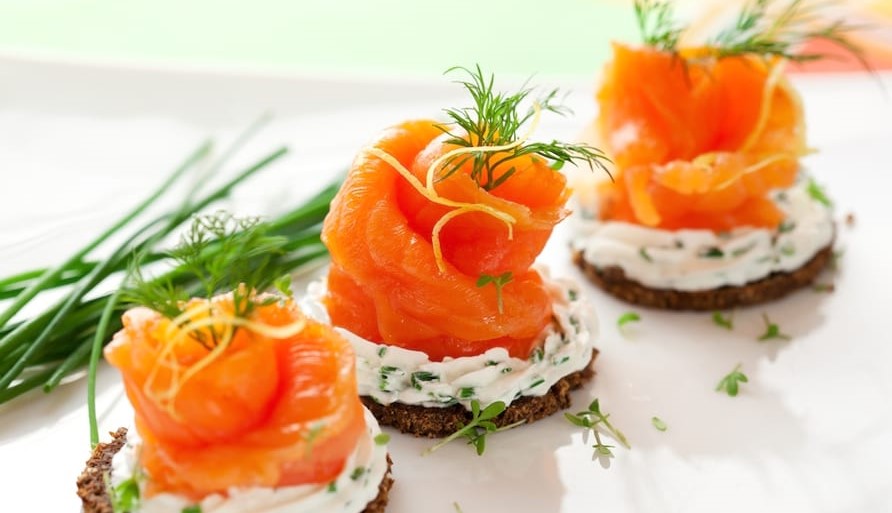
<point x="776" y="285"/>
<point x="440" y="422"/>
<point x="92" y="484"/>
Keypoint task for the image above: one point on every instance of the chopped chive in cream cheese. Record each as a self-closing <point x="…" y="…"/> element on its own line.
<point x="644" y="254"/>
<point x="357" y="473"/>
<point x="536" y="357"/>
<point x="701" y="259"/>
<point x="421" y="376"/>
<point x="558" y="361"/>
<point x="786" y="226"/>
<point x="743" y="250"/>
<point x="411" y="377"/>
<point x="712" y="252"/>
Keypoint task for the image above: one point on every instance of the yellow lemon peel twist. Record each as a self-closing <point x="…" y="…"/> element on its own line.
<point x="185" y="325"/>
<point x="771" y="83"/>
<point x="429" y="192"/>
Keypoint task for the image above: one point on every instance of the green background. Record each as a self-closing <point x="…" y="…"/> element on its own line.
<point x="368" y="37"/>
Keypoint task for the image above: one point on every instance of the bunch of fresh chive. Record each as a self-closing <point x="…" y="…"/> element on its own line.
<point x="40" y="351"/>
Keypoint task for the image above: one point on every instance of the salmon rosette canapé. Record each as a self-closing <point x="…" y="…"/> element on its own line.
<point x="707" y="142"/>
<point x="239" y="399"/>
<point x="433" y="237"/>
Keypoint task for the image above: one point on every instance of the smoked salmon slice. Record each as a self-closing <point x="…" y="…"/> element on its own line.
<point x="699" y="141"/>
<point x="435" y="230"/>
<point x="385" y="283"/>
<point x="267" y="401"/>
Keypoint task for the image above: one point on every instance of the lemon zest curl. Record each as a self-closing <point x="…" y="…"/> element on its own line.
<point x="429" y="192"/>
<point x="186" y="326"/>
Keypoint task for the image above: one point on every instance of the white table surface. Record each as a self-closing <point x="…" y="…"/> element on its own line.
<point x="810" y="432"/>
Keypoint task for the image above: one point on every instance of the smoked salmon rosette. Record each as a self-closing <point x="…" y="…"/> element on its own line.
<point x="710" y="207"/>
<point x="242" y="404"/>
<point x="433" y="239"/>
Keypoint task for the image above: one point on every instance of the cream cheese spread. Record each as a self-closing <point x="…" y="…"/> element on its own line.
<point x="391" y="374"/>
<point x="702" y="259"/>
<point x="350" y="492"/>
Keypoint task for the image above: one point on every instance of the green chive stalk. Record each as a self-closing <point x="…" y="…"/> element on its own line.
<point x="47" y="277"/>
<point x="59" y="341"/>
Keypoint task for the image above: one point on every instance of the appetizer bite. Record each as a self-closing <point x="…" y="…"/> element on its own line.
<point x="710" y="207"/>
<point x="433" y="237"/>
<point x="241" y="402"/>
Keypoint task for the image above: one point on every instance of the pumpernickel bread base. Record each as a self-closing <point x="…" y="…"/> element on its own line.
<point x="92" y="486"/>
<point x="776" y="285"/>
<point x="440" y="422"/>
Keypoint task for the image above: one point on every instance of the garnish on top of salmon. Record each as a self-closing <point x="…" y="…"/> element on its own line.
<point x="234" y="390"/>
<point x="700" y="135"/>
<point x="434" y="231"/>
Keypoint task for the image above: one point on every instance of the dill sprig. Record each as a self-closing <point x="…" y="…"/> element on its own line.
<point x="160" y="295"/>
<point x="657" y="24"/>
<point x="495" y="119"/>
<point x="221" y="252"/>
<point x="756" y="31"/>
<point x="44" y="347"/>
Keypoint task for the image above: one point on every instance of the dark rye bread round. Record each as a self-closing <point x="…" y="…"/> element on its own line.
<point x="92" y="486"/>
<point x="440" y="422"/>
<point x="776" y="285"/>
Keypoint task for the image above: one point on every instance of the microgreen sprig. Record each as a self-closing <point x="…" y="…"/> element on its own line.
<point x="596" y="422"/>
<point x="495" y="119"/>
<point x="836" y="259"/>
<point x="824" y="287"/>
<point x="482" y="423"/>
<point x="731" y="382"/>
<point x="817" y="193"/>
<point x="772" y="330"/>
<point x="627" y="318"/>
<point x="125" y="496"/>
<point x="722" y="320"/>
<point x="499" y="282"/>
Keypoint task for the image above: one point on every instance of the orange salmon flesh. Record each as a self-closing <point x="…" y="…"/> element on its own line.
<point x="267" y="412"/>
<point x="384" y="283"/>
<point x="698" y="142"/>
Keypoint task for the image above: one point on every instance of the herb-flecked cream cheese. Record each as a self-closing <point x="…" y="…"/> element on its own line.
<point x="391" y="374"/>
<point x="702" y="259"/>
<point x="350" y="492"/>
